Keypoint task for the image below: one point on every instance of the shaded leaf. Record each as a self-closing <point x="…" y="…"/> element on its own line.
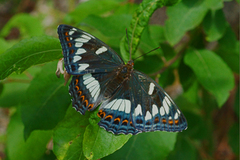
<point x="18" y="148"/>
<point x="146" y="146"/>
<point x="214" y="24"/>
<point x="229" y="49"/>
<point x="27" y="24"/>
<point x="46" y="101"/>
<point x="29" y="52"/>
<point x="211" y="72"/>
<point x="183" y="17"/>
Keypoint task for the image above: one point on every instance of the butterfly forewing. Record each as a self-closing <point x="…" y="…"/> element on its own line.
<point x="84" y="53"/>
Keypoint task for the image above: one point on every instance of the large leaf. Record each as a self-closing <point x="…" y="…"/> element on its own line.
<point x="18" y="148"/>
<point x="182" y="17"/>
<point x="146" y="146"/>
<point x="68" y="135"/>
<point x="211" y="72"/>
<point x="214" y="25"/>
<point x="98" y="143"/>
<point x="46" y="101"/>
<point x="29" y="52"/>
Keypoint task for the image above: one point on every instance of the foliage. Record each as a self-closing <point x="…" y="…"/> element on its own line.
<point x="40" y="104"/>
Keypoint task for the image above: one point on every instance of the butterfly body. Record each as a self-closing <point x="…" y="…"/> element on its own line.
<point x="131" y="102"/>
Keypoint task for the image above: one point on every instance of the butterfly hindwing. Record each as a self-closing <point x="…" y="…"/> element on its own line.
<point x="152" y="108"/>
<point x="84" y="53"/>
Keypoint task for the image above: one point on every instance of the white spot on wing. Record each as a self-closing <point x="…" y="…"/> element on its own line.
<point x="83" y="40"/>
<point x="151" y="88"/>
<point x="117" y="104"/>
<point x="176" y="116"/>
<point x="162" y="112"/>
<point x="101" y="50"/>
<point x="165" y="104"/>
<point x="86" y="37"/>
<point x="138" y="110"/>
<point x="74" y="29"/>
<point x="89" y="35"/>
<point x="78" y="44"/>
<point x="148" y="116"/>
<point x="154" y="110"/>
<point x="80" y="51"/>
<point x="82" y="67"/>
<point x="71" y="32"/>
<point x="92" y="85"/>
<point x="128" y="105"/>
<point x="76" y="58"/>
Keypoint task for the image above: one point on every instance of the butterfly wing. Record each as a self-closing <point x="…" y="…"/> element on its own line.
<point x="140" y="105"/>
<point x="84" y="53"/>
<point x="152" y="108"/>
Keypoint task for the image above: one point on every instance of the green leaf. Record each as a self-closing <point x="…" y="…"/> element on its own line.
<point x="229" y="49"/>
<point x="184" y="149"/>
<point x="98" y="143"/>
<point x="115" y="27"/>
<point x="157" y="33"/>
<point x="214" y="25"/>
<point x="46" y="101"/>
<point x="183" y="17"/>
<point x="29" y="52"/>
<point x="93" y="7"/>
<point x="146" y="146"/>
<point x="215" y="4"/>
<point x="27" y="24"/>
<point x="211" y="72"/>
<point x="4" y="45"/>
<point x="139" y="22"/>
<point x="17" y="148"/>
<point x="68" y="135"/>
<point x="233" y="136"/>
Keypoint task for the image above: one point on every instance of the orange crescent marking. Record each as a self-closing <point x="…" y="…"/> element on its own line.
<point x="117" y="119"/>
<point x="82" y="97"/>
<point x="76" y="81"/>
<point x="69" y="44"/>
<point x="90" y="106"/>
<point x="125" y="120"/>
<point x="66" y="33"/>
<point x="176" y="121"/>
<point x="164" y="120"/>
<point x="79" y="93"/>
<point x="86" y="101"/>
<point x="110" y="116"/>
<point x="71" y="51"/>
<point x="156" y="120"/>
<point x="67" y="39"/>
<point x="77" y="88"/>
<point x="170" y="121"/>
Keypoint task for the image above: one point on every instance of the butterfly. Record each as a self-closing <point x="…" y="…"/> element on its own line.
<point x="130" y="101"/>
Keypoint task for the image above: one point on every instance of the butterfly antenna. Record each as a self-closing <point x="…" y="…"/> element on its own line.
<point x="129" y="45"/>
<point x="147" y="53"/>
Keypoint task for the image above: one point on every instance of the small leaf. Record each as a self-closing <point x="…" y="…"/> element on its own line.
<point x="29" y="52"/>
<point x="98" y="143"/>
<point x="183" y="17"/>
<point x="17" y="148"/>
<point x="46" y="101"/>
<point x="146" y="146"/>
<point x="211" y="72"/>
<point x="214" y="25"/>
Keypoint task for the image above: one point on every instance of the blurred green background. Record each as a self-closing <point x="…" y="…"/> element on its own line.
<point x="197" y="64"/>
